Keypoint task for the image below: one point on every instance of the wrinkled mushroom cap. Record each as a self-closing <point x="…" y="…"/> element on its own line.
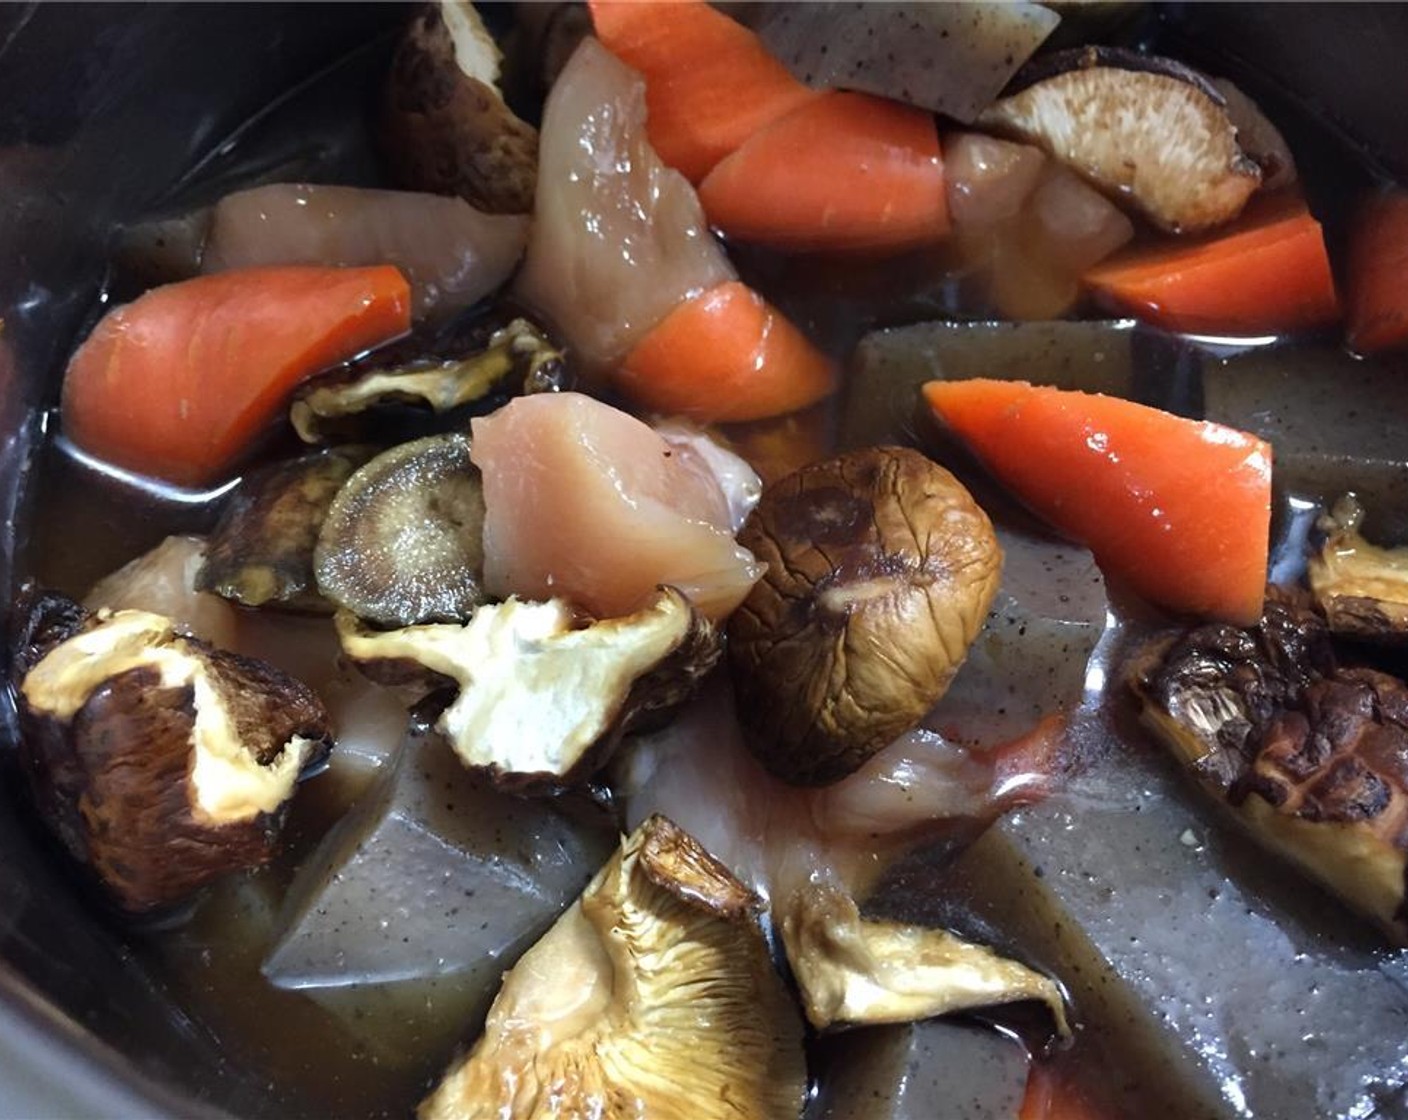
<point x="1312" y="757"/>
<point x="653" y="996"/>
<point x="880" y="572"/>
<point x="160" y="761"/>
<point x="540" y="699"/>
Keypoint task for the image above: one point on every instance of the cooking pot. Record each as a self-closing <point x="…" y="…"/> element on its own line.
<point x="103" y="108"/>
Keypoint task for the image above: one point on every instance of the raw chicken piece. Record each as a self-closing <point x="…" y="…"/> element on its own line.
<point x="777" y="838"/>
<point x="453" y="254"/>
<point x="618" y="239"/>
<point x="588" y="503"/>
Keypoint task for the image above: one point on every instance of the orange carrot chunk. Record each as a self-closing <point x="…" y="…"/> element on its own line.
<point x="180" y="382"/>
<point x="1269" y="277"/>
<point x="1178" y="509"/>
<point x="709" y="81"/>
<point x="1052" y="1097"/>
<point x="846" y="171"/>
<point x="1376" y="293"/>
<point x="726" y="354"/>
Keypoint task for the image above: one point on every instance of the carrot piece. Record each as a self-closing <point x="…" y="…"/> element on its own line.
<point x="726" y="354"/>
<point x="179" y="382"/>
<point x="709" y="81"/>
<point x="1179" y="509"/>
<point x="846" y="171"/>
<point x="1052" y="1097"/>
<point x="1272" y="275"/>
<point x="1376" y="297"/>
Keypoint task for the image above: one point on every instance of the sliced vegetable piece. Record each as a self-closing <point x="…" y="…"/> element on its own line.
<point x="853" y="970"/>
<point x="845" y="171"/>
<point x="726" y="354"/>
<point x="618" y="239"/>
<point x="709" y="83"/>
<point x="260" y="553"/>
<point x="518" y="354"/>
<point x="445" y="125"/>
<point x="1178" y="509"/>
<point x="179" y="383"/>
<point x="1143" y="129"/>
<point x="452" y="254"/>
<point x="403" y="540"/>
<point x="1376" y="305"/>
<point x="653" y="995"/>
<point x="1269" y="277"/>
<point x="541" y="701"/>
<point x="988" y="180"/>
<point x="948" y="58"/>
<point x="1050" y="1096"/>
<point x="585" y="502"/>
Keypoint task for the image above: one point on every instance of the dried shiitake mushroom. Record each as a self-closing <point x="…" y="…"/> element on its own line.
<point x="653" y="996"/>
<point x="880" y="571"/>
<point x="1361" y="589"/>
<point x="160" y="761"/>
<point x="517" y="357"/>
<point x="1145" y="130"/>
<point x="445" y="126"/>
<point x="1311" y="756"/>
<point x="854" y="970"/>
<point x="260" y="553"/>
<point x="541" y="700"/>
<point x="403" y="540"/>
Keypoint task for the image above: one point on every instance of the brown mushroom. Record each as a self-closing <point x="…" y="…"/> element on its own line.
<point x="1361" y="588"/>
<point x="653" y="996"/>
<point x="160" y="761"/>
<point x="260" y="553"/>
<point x="880" y="571"/>
<point x="540" y="701"/>
<point x="1147" y="131"/>
<point x="445" y="126"/>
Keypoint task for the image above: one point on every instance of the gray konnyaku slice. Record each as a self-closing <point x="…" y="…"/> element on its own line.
<point x="539" y="700"/>
<point x="403" y="542"/>
<point x="880" y="572"/>
<point x="445" y="126"/>
<point x="1312" y="757"/>
<point x="948" y="58"/>
<point x="260" y="553"/>
<point x="653" y="995"/>
<point x="518" y="357"/>
<point x="1147" y="131"/>
<point x="1361" y="589"/>
<point x="159" y="761"/>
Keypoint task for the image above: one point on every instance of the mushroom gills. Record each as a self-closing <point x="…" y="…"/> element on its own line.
<point x="517" y="357"/>
<point x="853" y="970"/>
<point x="653" y="995"/>
<point x="260" y="553"/>
<point x="403" y="541"/>
<point x="1361" y="589"/>
<point x="1143" y="129"/>
<point x="1311" y="756"/>
<point x="539" y="701"/>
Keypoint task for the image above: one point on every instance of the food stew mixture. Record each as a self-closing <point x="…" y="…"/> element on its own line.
<point x="717" y="566"/>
